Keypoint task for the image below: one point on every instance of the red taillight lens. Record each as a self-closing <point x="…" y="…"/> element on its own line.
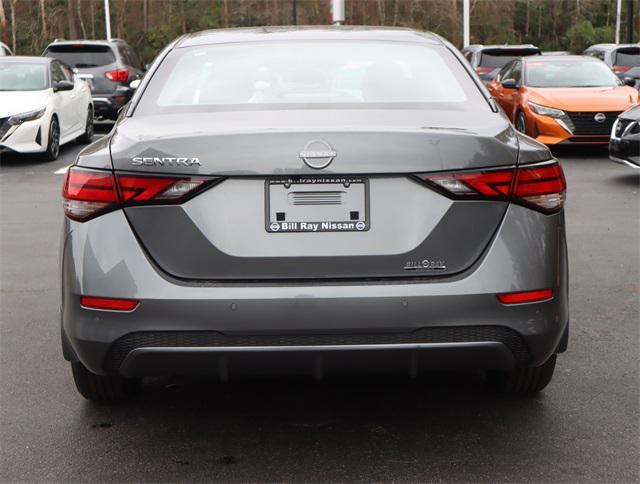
<point x="621" y="69"/>
<point x="525" y="296"/>
<point x="120" y="75"/>
<point x="88" y="193"/>
<point x="484" y="70"/>
<point x="541" y="186"/>
<point x="109" y="304"/>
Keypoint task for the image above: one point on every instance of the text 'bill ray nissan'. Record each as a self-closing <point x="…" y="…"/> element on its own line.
<point x="312" y="200"/>
<point x="562" y="99"/>
<point x="43" y="105"/>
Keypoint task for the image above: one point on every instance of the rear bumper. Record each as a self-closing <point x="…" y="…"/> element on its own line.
<point x="107" y="105"/>
<point x="184" y="327"/>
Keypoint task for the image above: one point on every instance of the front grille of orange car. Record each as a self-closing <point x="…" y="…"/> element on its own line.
<point x="213" y="339"/>
<point x="585" y="124"/>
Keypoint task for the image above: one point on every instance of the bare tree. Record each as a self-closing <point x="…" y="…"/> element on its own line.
<point x="12" y="5"/>
<point x="3" y="23"/>
<point x="79" y="12"/>
<point x="43" y="17"/>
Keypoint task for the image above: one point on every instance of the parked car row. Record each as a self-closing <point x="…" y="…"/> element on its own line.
<point x="48" y="101"/>
<point x="558" y="98"/>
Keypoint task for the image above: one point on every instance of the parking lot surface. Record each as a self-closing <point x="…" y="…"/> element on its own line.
<point x="440" y="427"/>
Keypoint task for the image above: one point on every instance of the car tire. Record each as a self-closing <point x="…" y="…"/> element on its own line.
<point x="521" y="123"/>
<point x="103" y="388"/>
<point x="87" y="136"/>
<point x="53" y="141"/>
<point x="524" y="381"/>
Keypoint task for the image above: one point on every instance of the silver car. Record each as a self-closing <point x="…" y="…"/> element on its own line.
<point x="313" y="201"/>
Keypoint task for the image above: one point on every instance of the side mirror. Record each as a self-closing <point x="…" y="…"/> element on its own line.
<point x="510" y="84"/>
<point x="629" y="81"/>
<point x="146" y="67"/>
<point x="63" y="86"/>
<point x="135" y="83"/>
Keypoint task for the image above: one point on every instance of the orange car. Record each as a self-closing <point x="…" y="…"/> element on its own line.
<point x="562" y="99"/>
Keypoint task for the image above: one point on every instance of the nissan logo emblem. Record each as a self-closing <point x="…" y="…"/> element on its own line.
<point x="317" y="154"/>
<point x="600" y="118"/>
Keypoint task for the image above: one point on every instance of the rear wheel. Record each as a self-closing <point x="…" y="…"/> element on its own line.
<point x="53" y="143"/>
<point x="524" y="381"/>
<point x="87" y="136"/>
<point x="103" y="388"/>
<point x="521" y="123"/>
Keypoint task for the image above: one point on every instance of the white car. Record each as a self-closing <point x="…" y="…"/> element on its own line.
<point x="43" y="105"/>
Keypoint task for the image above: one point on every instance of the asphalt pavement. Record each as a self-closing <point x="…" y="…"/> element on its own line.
<point x="440" y="427"/>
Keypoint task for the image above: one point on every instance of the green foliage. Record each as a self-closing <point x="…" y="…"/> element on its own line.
<point x="583" y="34"/>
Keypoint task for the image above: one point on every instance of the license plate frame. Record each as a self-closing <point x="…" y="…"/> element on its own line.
<point x="348" y="194"/>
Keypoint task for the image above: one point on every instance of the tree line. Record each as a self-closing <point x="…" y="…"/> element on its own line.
<point x="27" y="26"/>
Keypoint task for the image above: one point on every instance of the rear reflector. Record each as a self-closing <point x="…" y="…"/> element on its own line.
<point x="88" y="193"/>
<point x="108" y="304"/>
<point x="541" y="186"/>
<point x="526" y="296"/>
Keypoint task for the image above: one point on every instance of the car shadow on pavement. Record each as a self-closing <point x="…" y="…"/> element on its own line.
<point x="366" y="423"/>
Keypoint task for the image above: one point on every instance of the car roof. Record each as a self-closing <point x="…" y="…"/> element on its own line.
<point x="547" y="58"/>
<point x="259" y="34"/>
<point x="609" y="47"/>
<point x="86" y="42"/>
<point x="500" y="46"/>
<point x="26" y="58"/>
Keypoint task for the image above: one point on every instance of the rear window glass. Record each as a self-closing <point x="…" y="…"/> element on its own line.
<point x="306" y="73"/>
<point x="628" y="57"/>
<point x="502" y="58"/>
<point x="82" y="55"/>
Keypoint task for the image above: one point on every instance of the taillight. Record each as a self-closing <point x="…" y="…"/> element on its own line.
<point x="119" y="75"/>
<point x="88" y="193"/>
<point x="526" y="296"/>
<point x="540" y="186"/>
<point x="484" y="70"/>
<point x="620" y="69"/>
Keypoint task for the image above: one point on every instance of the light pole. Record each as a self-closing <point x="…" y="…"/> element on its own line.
<point x="107" y="19"/>
<point x="618" y="12"/>
<point x="466" y="27"/>
<point x="337" y="12"/>
<point x="629" y="21"/>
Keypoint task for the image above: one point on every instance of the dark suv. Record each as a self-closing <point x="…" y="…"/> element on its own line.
<point x="487" y="60"/>
<point x="108" y="67"/>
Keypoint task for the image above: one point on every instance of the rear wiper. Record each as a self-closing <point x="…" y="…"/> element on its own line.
<point x="86" y="65"/>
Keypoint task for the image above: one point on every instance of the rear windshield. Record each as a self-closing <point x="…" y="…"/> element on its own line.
<point x="306" y="74"/>
<point x="23" y="76"/>
<point x="500" y="58"/>
<point x="628" y="57"/>
<point x="587" y="73"/>
<point x="82" y="55"/>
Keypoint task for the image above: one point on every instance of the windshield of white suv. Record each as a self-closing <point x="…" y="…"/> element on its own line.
<point x="307" y="73"/>
<point x="23" y="76"/>
<point x="570" y="73"/>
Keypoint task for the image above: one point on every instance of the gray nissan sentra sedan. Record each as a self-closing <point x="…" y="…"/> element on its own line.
<point x="312" y="200"/>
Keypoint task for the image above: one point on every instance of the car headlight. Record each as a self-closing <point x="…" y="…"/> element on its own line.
<point x="17" y="119"/>
<point x="546" y="111"/>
